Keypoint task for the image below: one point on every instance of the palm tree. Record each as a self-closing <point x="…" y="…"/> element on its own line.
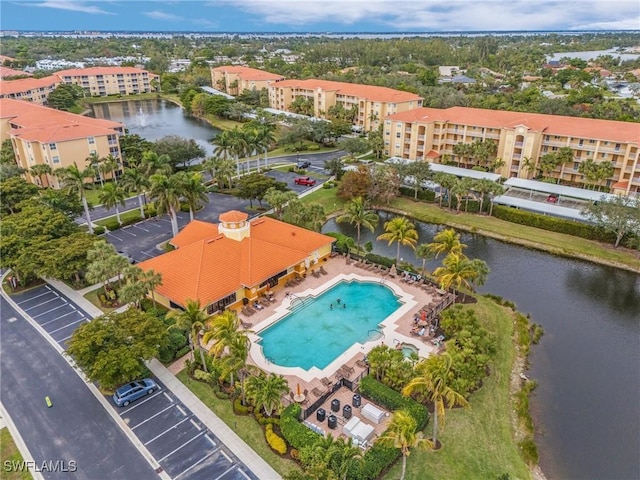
<point x="94" y="162"/>
<point x="40" y="171"/>
<point x="152" y="163"/>
<point x="134" y="181"/>
<point x="446" y="241"/>
<point x="239" y="145"/>
<point x="402" y="434"/>
<point x="424" y="252"/>
<point x="446" y="181"/>
<point x="112" y="196"/>
<point x="432" y="383"/>
<point x="224" y="144"/>
<point x="194" y="191"/>
<point x="349" y="455"/>
<point x="152" y="279"/>
<point x="192" y="319"/>
<point x="484" y="186"/>
<point x="166" y="192"/>
<point x="111" y="165"/>
<point x="358" y="215"/>
<point x="265" y="137"/>
<point x="456" y="271"/>
<point x="266" y="391"/>
<point x="73" y="178"/>
<point x="401" y="231"/>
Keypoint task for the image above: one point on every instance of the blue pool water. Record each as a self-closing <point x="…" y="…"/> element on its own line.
<point x="313" y="334"/>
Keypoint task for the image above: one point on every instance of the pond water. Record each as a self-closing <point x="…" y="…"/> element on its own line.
<point x="154" y="119"/>
<point x="587" y="405"/>
<point x="593" y="54"/>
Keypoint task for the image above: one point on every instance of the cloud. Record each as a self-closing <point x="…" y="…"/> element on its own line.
<point x="433" y="15"/>
<point x="70" y="5"/>
<point x="158" y="15"/>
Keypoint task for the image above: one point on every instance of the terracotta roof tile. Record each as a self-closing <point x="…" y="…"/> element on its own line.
<point x="370" y="92"/>
<point x="11" y="72"/>
<point x="247" y="73"/>
<point x="73" y="72"/>
<point x="193" y="232"/>
<point x="8" y="87"/>
<point x="233" y="216"/>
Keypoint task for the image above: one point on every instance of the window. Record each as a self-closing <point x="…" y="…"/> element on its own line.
<point x="92" y="152"/>
<point x="387" y="133"/>
<point x="397" y="145"/>
<point x="56" y="159"/>
<point x="398" y="135"/>
<point x="53" y="146"/>
<point x="575" y="165"/>
<point x="603" y="155"/>
<point x="91" y="140"/>
<point x="399" y="125"/>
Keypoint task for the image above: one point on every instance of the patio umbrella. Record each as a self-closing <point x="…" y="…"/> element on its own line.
<point x="298" y="389"/>
<point x="393" y="272"/>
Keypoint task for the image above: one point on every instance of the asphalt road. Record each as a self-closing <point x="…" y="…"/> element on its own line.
<point x="76" y="428"/>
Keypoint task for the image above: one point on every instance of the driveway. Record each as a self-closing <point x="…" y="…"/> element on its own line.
<point x="76" y="428"/>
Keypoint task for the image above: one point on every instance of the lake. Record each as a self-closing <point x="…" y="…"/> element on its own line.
<point x="593" y="54"/>
<point x="587" y="404"/>
<point x="154" y="119"/>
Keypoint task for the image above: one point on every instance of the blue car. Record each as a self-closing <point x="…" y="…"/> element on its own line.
<point x="133" y="391"/>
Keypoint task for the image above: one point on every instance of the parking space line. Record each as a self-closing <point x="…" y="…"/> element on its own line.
<point x="168" y="397"/>
<point x="56" y="319"/>
<point x="180" y="447"/>
<point x="49" y="311"/>
<point x="225" y="472"/>
<point x="244" y="474"/>
<point x="40" y="304"/>
<point x="195" y="464"/>
<point x="195" y="425"/>
<point x="67" y="325"/>
<point x="127" y="231"/>
<point x="65" y="338"/>
<point x="181" y="410"/>
<point x="167" y="430"/>
<point x="226" y="456"/>
<point x="33" y="298"/>
<point x="143" y="229"/>
<point x="141" y="403"/>
<point x="211" y="440"/>
<point x="152" y="417"/>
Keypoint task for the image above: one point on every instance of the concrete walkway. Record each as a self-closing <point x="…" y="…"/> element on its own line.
<point x="231" y="440"/>
<point x="239" y="448"/>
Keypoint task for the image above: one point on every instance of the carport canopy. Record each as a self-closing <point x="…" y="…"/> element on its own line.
<point x="457" y="171"/>
<point x="560" y="190"/>
<point x="540" y="207"/>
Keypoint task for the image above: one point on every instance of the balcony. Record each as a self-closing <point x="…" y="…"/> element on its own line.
<point x="421" y="137"/>
<point x="519" y="144"/>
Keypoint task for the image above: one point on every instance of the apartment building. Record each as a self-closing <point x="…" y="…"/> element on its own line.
<point x="429" y="134"/>
<point x="103" y="81"/>
<point x="45" y="136"/>
<point x="34" y="90"/>
<point x="372" y="103"/>
<point x="6" y="72"/>
<point x="235" y="79"/>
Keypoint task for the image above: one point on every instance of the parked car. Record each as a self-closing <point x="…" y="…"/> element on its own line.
<point x="309" y="182"/>
<point x="553" y="198"/>
<point x="304" y="164"/>
<point x="133" y="391"/>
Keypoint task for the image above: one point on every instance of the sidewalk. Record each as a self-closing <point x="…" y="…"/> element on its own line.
<point x="231" y="440"/>
<point x="76" y="297"/>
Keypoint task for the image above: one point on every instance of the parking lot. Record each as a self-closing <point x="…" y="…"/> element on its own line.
<point x="173" y="435"/>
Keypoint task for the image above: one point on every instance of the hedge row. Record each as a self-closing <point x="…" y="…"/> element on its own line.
<point x="577" y="229"/>
<point x="426" y="195"/>
<point x="393" y="400"/>
<point x="274" y="440"/>
<point x="294" y="432"/>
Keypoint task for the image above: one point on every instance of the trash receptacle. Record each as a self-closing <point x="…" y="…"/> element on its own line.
<point x="356" y="401"/>
<point x="335" y="405"/>
<point x="332" y="422"/>
<point x="346" y="411"/>
<point x="320" y="414"/>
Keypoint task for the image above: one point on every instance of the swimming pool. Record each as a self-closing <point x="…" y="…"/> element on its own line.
<point x="320" y="328"/>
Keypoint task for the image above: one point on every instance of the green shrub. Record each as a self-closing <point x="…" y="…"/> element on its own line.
<point x="294" y="432"/>
<point x="313" y="147"/>
<point x="327" y="185"/>
<point x="375" y="461"/>
<point x="99" y="230"/>
<point x="380" y="260"/>
<point x="529" y="450"/>
<point x="239" y="408"/>
<point x="201" y="375"/>
<point x="150" y="210"/>
<point x="291" y="169"/>
<point x="111" y="224"/>
<point x="424" y="195"/>
<point x="387" y="397"/>
<point x="182" y="352"/>
<point x="274" y="440"/>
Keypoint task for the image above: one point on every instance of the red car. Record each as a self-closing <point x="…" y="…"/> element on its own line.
<point x="309" y="182"/>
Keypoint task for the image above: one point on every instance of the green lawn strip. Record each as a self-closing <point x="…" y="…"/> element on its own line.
<point x="327" y="198"/>
<point x="131" y="214"/>
<point x="92" y="296"/>
<point x="9" y="453"/>
<point x="120" y="98"/>
<point x="93" y="195"/>
<point x="478" y="442"/>
<point x="245" y="426"/>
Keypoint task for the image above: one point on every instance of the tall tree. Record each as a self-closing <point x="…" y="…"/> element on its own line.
<point x="112" y="196"/>
<point x="42" y="172"/>
<point x="446" y="241"/>
<point x="278" y="199"/>
<point x="432" y="383"/>
<point x="619" y="215"/>
<point x="166" y="192"/>
<point x="357" y="214"/>
<point x="401" y="231"/>
<point x="456" y="271"/>
<point x="151" y="280"/>
<point x="423" y="252"/>
<point x="192" y="319"/>
<point x="134" y="181"/>
<point x="15" y="190"/>
<point x="266" y="391"/>
<point x="74" y="180"/>
<point x="194" y="191"/>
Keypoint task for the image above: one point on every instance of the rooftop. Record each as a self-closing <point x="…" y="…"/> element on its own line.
<point x="7" y="87"/>
<point x="370" y="92"/>
<point x="100" y="71"/>
<point x="10" y="72"/>
<point x="247" y="73"/>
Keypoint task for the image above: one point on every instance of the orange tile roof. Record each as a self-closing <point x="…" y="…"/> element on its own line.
<point x="370" y="92"/>
<point x="247" y="73"/>
<point x="43" y="124"/>
<point x="194" y="231"/>
<point x="624" y="132"/>
<point x="620" y="185"/>
<point x="74" y="72"/>
<point x="4" y="58"/>
<point x="213" y="267"/>
<point x="432" y="154"/>
<point x="8" y="87"/>
<point x="233" y="216"/>
<point x="11" y="72"/>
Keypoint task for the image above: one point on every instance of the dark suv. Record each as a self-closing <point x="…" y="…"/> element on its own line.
<point x="304" y="164"/>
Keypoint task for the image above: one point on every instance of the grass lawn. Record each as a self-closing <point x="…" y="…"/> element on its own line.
<point x="93" y="195"/>
<point x="9" y="453"/>
<point x="92" y="296"/>
<point x="223" y="123"/>
<point x="135" y="213"/>
<point x="327" y="198"/>
<point x="245" y="426"/>
<point x="478" y="442"/>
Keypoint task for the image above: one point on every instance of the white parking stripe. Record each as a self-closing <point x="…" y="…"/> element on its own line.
<point x="211" y="440"/>
<point x="152" y="417"/>
<point x="143" y="229"/>
<point x="49" y="311"/>
<point x="194" y="465"/>
<point x="180" y="447"/>
<point x="244" y="474"/>
<point x="168" y="397"/>
<point x="226" y="456"/>
<point x="141" y="403"/>
<point x="37" y="296"/>
<point x="181" y="410"/>
<point x="132" y="234"/>
<point x="66" y="326"/>
<point x="196" y="425"/>
<point x="225" y="472"/>
<point x="58" y="318"/>
<point x="40" y="304"/>
<point x="167" y="430"/>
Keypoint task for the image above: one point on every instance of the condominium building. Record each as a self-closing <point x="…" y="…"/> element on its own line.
<point x="235" y="79"/>
<point x="372" y="103"/>
<point x="103" y="81"/>
<point x="45" y="136"/>
<point x="6" y="72"/>
<point x="34" y="90"/>
<point x="522" y="139"/>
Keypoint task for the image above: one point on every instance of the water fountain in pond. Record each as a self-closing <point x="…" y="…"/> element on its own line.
<point x="141" y="117"/>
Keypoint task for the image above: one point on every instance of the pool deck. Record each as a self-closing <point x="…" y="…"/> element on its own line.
<point x="396" y="328"/>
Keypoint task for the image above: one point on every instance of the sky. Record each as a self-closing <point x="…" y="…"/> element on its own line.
<point x="320" y="15"/>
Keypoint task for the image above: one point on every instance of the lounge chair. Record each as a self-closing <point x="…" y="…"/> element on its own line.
<point x="323" y="271"/>
<point x="317" y="392"/>
<point x="326" y="381"/>
<point x="361" y="363"/>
